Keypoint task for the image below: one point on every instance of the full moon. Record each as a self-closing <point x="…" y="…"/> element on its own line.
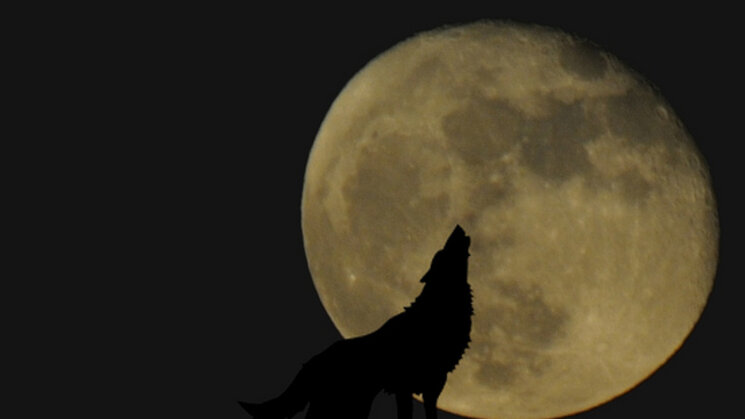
<point x="593" y="224"/>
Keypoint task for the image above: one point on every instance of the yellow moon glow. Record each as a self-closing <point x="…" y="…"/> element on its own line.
<point x="593" y="224"/>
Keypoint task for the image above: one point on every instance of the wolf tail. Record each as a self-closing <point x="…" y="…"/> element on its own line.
<point x="288" y="404"/>
<point x="267" y="410"/>
<point x="257" y="410"/>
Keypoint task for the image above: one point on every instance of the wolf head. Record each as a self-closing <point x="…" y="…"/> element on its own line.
<point x="452" y="260"/>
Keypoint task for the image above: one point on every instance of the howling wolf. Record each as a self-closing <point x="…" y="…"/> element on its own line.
<point x="411" y="353"/>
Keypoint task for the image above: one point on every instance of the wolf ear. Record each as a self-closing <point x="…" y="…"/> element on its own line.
<point x="425" y="278"/>
<point x="432" y="267"/>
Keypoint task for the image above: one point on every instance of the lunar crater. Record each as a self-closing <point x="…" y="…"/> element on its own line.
<point x="519" y="325"/>
<point x="636" y="116"/>
<point x="583" y="59"/>
<point x="482" y="131"/>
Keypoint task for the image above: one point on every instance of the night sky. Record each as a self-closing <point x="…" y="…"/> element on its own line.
<point x="197" y="292"/>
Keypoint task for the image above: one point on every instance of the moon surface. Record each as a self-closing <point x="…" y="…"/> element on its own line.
<point x="593" y="224"/>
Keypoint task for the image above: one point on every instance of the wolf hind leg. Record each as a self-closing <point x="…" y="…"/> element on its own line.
<point x="404" y="405"/>
<point x="341" y="405"/>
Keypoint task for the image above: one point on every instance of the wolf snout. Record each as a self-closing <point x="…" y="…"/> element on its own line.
<point x="458" y="239"/>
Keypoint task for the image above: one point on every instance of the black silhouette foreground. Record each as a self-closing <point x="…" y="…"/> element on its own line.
<point x="411" y="353"/>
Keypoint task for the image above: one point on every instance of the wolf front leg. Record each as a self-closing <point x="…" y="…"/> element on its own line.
<point x="404" y="405"/>
<point x="430" y="396"/>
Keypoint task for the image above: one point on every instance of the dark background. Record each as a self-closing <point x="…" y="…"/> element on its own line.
<point x="180" y="283"/>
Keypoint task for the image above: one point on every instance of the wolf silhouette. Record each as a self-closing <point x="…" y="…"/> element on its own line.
<point x="412" y="353"/>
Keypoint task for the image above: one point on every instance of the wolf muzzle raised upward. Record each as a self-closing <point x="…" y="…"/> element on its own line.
<point x="412" y="353"/>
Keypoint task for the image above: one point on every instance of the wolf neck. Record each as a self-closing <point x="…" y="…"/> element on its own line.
<point x="443" y="314"/>
<point x="444" y="299"/>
